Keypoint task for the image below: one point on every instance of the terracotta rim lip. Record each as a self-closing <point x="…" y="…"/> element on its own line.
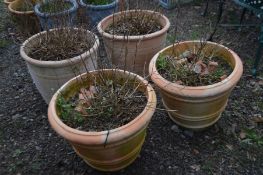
<point x="151" y="101"/>
<point x="99" y="7"/>
<point x="12" y="10"/>
<point x="134" y="37"/>
<point x="237" y="71"/>
<point x="47" y="15"/>
<point x="61" y="63"/>
<point x="8" y="1"/>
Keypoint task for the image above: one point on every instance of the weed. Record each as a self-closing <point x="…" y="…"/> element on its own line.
<point x="208" y="167"/>
<point x="253" y="137"/>
<point x="35" y="166"/>
<point x="67" y="112"/>
<point x="4" y="43"/>
<point x="12" y="167"/>
<point x="17" y="153"/>
<point x="161" y="62"/>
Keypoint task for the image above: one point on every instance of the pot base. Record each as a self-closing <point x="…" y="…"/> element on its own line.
<point x="111" y="166"/>
<point x="194" y="125"/>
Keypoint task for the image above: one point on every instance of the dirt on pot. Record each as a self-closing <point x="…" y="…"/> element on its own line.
<point x="137" y="23"/>
<point x="62" y="44"/>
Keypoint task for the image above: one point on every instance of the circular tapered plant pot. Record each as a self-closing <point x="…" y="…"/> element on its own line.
<point x="48" y="76"/>
<point x="97" y="12"/>
<point x="109" y="150"/>
<point x="201" y="106"/>
<point x="133" y="53"/>
<point x="64" y="18"/>
<point x="24" y="18"/>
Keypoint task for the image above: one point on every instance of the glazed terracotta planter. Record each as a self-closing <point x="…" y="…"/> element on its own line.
<point x="197" y="107"/>
<point x="26" y="21"/>
<point x="106" y="150"/>
<point x="133" y="53"/>
<point x="48" y="76"/>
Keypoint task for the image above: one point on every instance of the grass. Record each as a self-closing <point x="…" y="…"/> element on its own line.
<point x="4" y="43"/>
<point x="17" y="153"/>
<point x="253" y="138"/>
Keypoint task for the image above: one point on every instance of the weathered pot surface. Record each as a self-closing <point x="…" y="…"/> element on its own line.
<point x="109" y="150"/>
<point x="7" y="2"/>
<point x="26" y="20"/>
<point x="49" y="76"/>
<point x="133" y="53"/>
<point x="197" y="107"/>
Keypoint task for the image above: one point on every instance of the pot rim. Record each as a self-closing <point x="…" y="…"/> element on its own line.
<point x="47" y="15"/>
<point x="7" y="2"/>
<point x="60" y="63"/>
<point x="99" y="7"/>
<point x="111" y="136"/>
<point x="230" y="81"/>
<point x="12" y="10"/>
<point x="133" y="37"/>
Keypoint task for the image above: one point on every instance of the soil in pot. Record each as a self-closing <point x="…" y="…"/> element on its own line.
<point x="136" y="24"/>
<point x="193" y="68"/>
<point x="55" y="6"/>
<point x="103" y="105"/>
<point x="98" y="2"/>
<point x="27" y="6"/>
<point x="61" y="44"/>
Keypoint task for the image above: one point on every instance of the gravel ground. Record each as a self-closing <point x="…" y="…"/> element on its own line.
<point x="234" y="145"/>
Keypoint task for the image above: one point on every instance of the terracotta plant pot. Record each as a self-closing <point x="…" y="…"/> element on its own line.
<point x="133" y="53"/>
<point x="201" y="106"/>
<point x="48" y="76"/>
<point x="107" y="150"/>
<point x="26" y="21"/>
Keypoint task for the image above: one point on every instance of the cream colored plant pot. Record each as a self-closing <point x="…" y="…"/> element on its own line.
<point x="133" y="53"/>
<point x="109" y="150"/>
<point x="201" y="106"/>
<point x="49" y="76"/>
